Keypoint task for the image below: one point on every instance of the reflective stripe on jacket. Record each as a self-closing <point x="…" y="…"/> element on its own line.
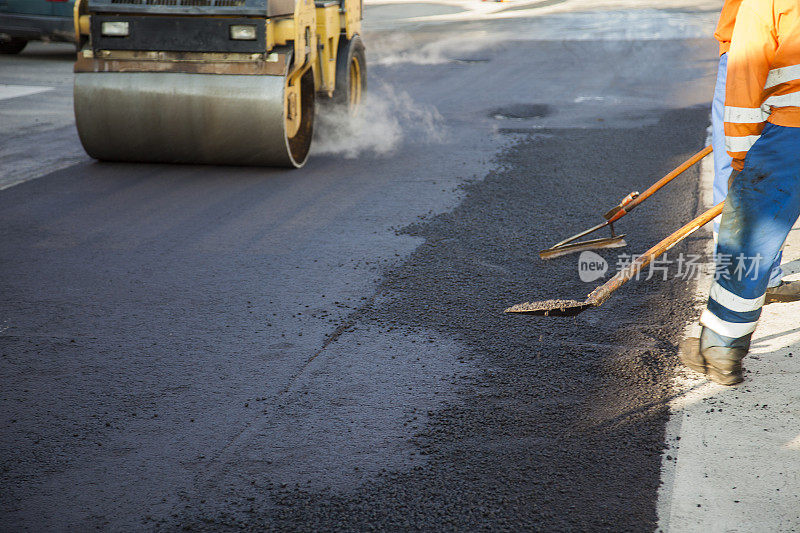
<point x="763" y="73"/>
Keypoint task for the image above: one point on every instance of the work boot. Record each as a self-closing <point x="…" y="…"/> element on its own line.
<point x="689" y="354"/>
<point x="716" y="356"/>
<point x="787" y="291"/>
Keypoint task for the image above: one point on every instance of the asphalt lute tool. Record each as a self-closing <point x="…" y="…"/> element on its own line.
<point x="604" y="291"/>
<point x="628" y="204"/>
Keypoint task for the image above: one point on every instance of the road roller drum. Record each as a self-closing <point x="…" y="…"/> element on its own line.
<point x="229" y="82"/>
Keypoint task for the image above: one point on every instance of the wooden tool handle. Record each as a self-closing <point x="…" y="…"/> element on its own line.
<point x="602" y="293"/>
<point x="627" y="208"/>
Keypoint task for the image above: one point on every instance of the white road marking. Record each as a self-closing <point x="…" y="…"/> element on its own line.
<point x="15" y="91"/>
<point x="34" y="155"/>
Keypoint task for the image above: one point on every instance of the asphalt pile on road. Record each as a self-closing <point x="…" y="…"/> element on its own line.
<point x="562" y="425"/>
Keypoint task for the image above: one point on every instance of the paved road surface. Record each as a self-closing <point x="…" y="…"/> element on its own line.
<point x="206" y="347"/>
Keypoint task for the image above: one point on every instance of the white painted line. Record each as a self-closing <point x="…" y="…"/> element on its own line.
<point x="31" y="156"/>
<point x="15" y="91"/>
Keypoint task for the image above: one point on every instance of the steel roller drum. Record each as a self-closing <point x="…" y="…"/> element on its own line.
<point x="184" y="118"/>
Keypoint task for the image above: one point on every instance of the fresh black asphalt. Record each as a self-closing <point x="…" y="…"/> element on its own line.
<point x="211" y="348"/>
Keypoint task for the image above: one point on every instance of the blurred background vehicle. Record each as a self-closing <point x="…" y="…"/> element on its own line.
<point x="34" y="20"/>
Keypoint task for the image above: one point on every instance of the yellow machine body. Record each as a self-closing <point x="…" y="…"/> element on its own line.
<point x="211" y="81"/>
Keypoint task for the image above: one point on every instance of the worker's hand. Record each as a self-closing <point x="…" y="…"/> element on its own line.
<point x="732" y="177"/>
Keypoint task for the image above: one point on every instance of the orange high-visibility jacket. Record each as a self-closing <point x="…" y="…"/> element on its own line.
<point x="763" y="82"/>
<point x="724" y="30"/>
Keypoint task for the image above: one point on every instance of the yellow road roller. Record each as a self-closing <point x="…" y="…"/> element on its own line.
<point x="231" y="82"/>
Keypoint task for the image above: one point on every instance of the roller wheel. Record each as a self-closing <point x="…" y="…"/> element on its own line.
<point x="351" y="74"/>
<point x="12" y="46"/>
<point x="172" y="117"/>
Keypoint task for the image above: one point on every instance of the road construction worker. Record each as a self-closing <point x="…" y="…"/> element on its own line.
<point x="762" y="136"/>
<point x="722" y="160"/>
<point x="777" y="290"/>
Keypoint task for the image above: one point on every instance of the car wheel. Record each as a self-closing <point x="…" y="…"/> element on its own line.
<point x="12" y="46"/>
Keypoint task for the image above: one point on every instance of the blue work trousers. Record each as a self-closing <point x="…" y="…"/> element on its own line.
<point x="760" y="209"/>
<point x="722" y="161"/>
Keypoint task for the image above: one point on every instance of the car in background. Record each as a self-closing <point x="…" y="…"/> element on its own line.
<point x="34" y="20"/>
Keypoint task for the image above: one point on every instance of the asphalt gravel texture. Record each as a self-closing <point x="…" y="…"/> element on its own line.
<point x="562" y="427"/>
<point x="196" y="348"/>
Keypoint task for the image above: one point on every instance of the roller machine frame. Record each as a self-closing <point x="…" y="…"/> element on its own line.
<point x="213" y="81"/>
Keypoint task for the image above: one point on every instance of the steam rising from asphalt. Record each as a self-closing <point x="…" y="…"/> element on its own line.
<point x="471" y="43"/>
<point x="400" y="48"/>
<point x="385" y="119"/>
